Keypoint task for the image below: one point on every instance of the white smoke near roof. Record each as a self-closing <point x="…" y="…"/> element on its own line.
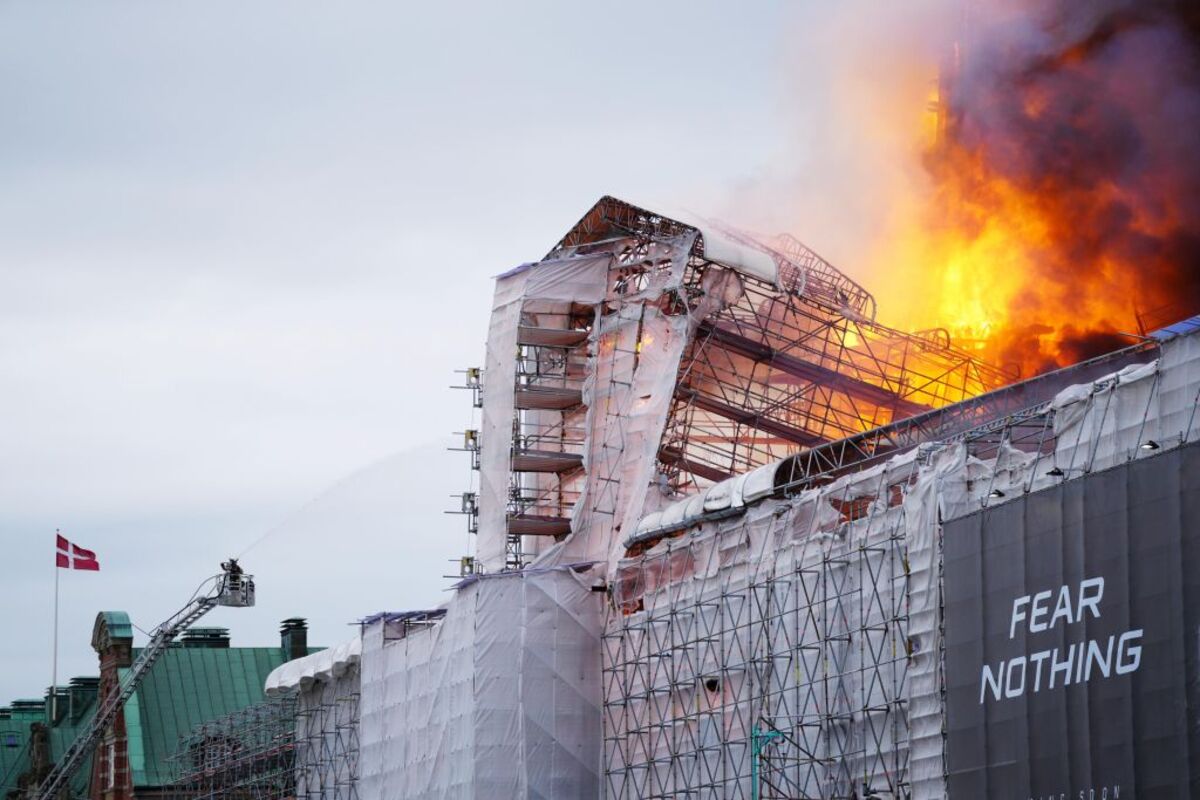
<point x="853" y="89"/>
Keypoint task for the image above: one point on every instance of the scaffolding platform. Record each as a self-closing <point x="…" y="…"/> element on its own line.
<point x="545" y="461"/>
<point x="547" y="398"/>
<point x="550" y="337"/>
<point x="538" y="525"/>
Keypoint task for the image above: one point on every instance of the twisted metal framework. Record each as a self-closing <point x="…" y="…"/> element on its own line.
<point x="995" y="410"/>
<point x="776" y="369"/>
<point x="775" y="374"/>
<point x="775" y="366"/>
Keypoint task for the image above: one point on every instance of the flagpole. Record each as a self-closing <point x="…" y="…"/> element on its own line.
<point x="54" y="673"/>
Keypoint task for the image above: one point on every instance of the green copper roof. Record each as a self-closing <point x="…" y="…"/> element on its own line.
<point x="188" y="686"/>
<point x="61" y="736"/>
<point x="14" y="747"/>
<point x="14" y="752"/>
<point x="118" y="624"/>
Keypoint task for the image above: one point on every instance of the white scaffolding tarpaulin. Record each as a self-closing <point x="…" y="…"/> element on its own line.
<point x="501" y="698"/>
<point x="772" y="649"/>
<point x="542" y="286"/>
<point x="792" y="646"/>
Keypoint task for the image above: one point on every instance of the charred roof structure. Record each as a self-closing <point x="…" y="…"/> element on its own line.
<point x="712" y="556"/>
<point x="735" y="350"/>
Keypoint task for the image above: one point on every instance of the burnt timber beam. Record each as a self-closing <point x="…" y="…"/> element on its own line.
<point x="806" y="468"/>
<point x="672" y="456"/>
<point x="744" y="417"/>
<point x="815" y="373"/>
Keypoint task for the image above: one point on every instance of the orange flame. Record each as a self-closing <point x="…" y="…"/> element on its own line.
<point x="1052" y="226"/>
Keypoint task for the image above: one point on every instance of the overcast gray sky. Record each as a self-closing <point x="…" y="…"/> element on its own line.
<point x="244" y="246"/>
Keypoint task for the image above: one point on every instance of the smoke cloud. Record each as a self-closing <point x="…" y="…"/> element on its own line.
<point x="1088" y="112"/>
<point x="1020" y="174"/>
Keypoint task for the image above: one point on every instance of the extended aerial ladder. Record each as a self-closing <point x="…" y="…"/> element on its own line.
<point x="231" y="587"/>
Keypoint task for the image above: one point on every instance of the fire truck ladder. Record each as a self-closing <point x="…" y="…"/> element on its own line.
<point x="230" y="588"/>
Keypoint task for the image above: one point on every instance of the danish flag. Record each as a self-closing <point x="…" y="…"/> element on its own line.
<point x="72" y="556"/>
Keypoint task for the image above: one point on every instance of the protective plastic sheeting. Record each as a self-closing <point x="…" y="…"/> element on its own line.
<point x="579" y="280"/>
<point x="768" y="654"/>
<point x="324" y="688"/>
<point x="501" y="698"/>
<point x="795" y="650"/>
<point x="628" y="394"/>
<point x="322" y="666"/>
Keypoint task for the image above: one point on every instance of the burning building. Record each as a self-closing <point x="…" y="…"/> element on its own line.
<point x="740" y="536"/>
<point x="1061" y="197"/>
<point x="739" y="533"/>
<point x="735" y="538"/>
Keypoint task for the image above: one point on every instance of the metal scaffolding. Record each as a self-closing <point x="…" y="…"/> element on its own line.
<point x="780" y="356"/>
<point x="773" y="369"/>
<point x="810" y="467"/>
<point x="734" y="669"/>
<point x="249" y="755"/>
<point x="301" y="745"/>
<point x="549" y="425"/>
<point x="791" y="647"/>
<point x="327" y="745"/>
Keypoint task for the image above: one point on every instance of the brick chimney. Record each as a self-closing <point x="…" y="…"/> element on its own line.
<point x="293" y="638"/>
<point x="56" y="711"/>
